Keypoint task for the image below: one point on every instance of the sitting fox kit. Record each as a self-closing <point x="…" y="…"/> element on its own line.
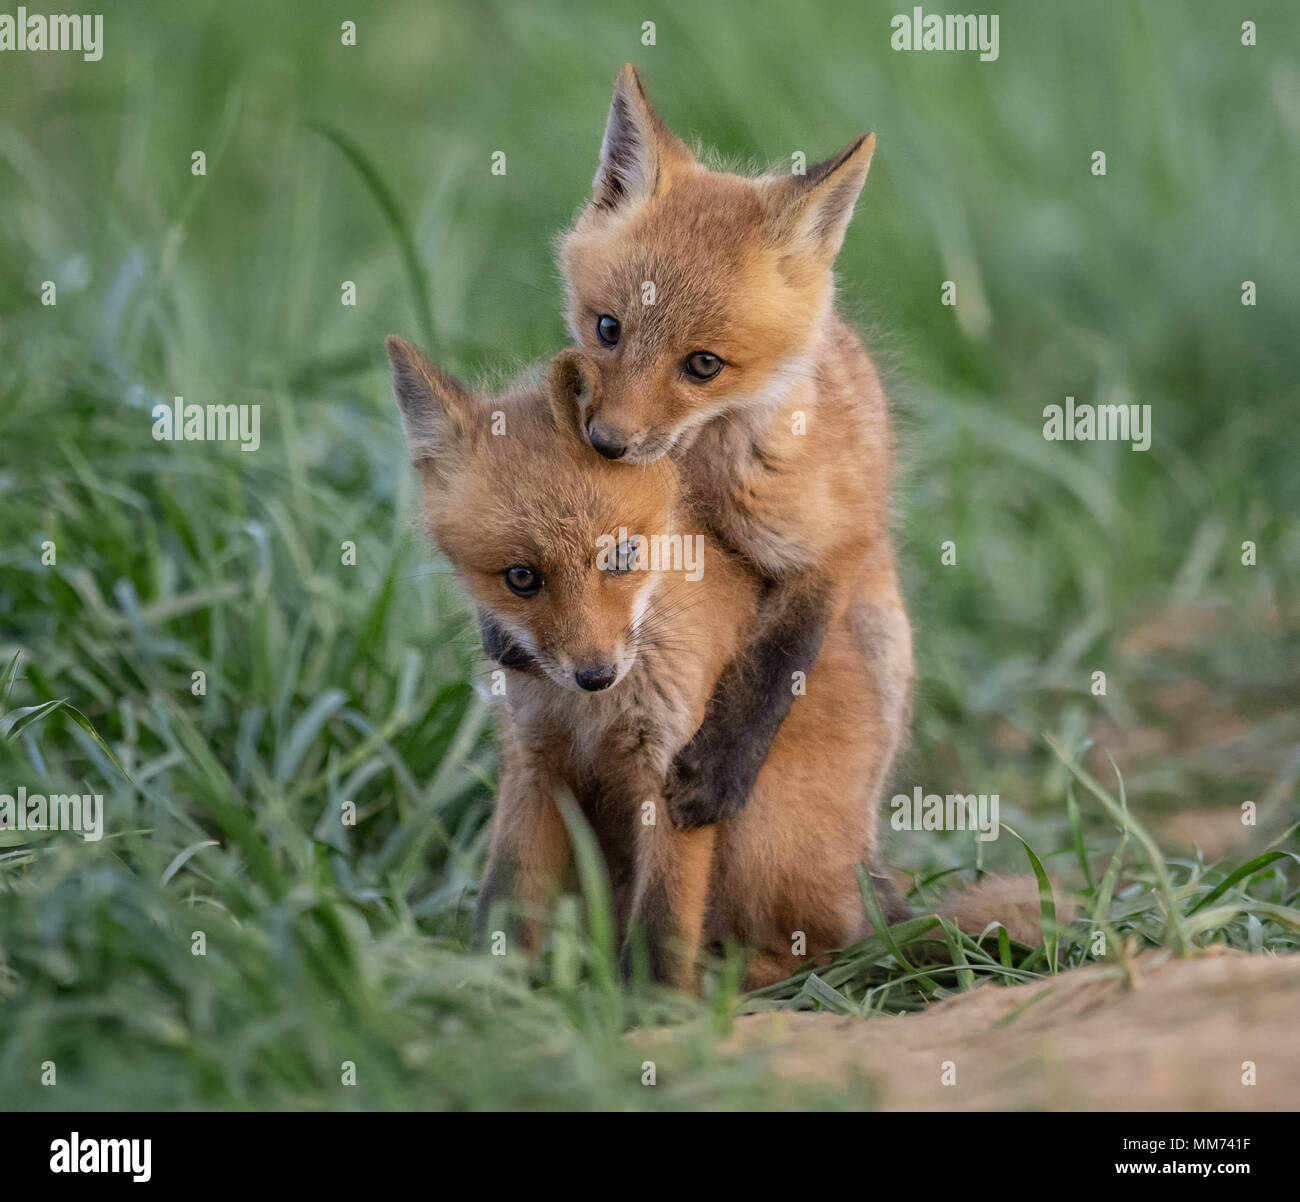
<point x="622" y="659"/>
<point x="726" y="736"/>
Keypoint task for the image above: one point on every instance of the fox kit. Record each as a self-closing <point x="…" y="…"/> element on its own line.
<point x="619" y="658"/>
<point x="707" y="301"/>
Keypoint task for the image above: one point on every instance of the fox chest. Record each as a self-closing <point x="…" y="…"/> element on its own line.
<point x="616" y="745"/>
<point x="761" y="499"/>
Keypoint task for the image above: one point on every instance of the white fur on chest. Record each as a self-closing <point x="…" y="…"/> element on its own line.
<point x="593" y="730"/>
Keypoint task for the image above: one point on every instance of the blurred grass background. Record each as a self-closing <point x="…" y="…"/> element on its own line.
<point x="325" y="683"/>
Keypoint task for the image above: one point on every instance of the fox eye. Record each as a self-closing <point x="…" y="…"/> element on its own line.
<point x="522" y="580"/>
<point x="702" y="365"/>
<point x="623" y="559"/>
<point x="607" y="330"/>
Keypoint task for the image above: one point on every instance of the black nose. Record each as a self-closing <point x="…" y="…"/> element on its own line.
<point x="608" y="442"/>
<point x="593" y="679"/>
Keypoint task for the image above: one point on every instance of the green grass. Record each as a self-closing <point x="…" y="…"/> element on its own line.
<point x="328" y="683"/>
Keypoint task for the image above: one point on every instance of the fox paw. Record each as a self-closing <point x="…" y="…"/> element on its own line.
<point x="697" y="796"/>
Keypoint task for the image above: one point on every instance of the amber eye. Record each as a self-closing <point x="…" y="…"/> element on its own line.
<point x="522" y="580"/>
<point x="607" y="330"/>
<point x="702" y="365"/>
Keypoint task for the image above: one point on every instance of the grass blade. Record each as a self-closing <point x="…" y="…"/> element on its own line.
<point x="395" y="218"/>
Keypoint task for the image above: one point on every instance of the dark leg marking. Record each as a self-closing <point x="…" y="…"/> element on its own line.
<point x="714" y="773"/>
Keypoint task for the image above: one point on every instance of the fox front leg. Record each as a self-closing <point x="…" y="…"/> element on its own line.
<point x="527" y="856"/>
<point x="671" y="893"/>
<point x="714" y="773"/>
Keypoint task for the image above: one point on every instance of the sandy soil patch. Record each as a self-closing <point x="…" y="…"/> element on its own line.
<point x="1165" y="1034"/>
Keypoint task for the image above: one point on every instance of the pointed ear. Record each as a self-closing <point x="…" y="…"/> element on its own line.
<point x="573" y="383"/>
<point x="437" y="409"/>
<point x="637" y="148"/>
<point x="814" y="209"/>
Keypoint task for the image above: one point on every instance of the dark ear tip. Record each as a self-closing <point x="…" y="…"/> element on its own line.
<point x="570" y="372"/>
<point x="629" y="82"/>
<point x="400" y="352"/>
<point x="864" y="145"/>
<point x="861" y="149"/>
<point x="574" y="381"/>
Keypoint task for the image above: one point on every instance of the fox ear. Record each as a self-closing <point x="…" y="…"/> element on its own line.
<point x="437" y="409"/>
<point x="636" y="149"/>
<point x="573" y="385"/>
<point x="815" y="208"/>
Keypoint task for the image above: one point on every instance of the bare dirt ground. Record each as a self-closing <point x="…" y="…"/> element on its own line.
<point x="1159" y="1034"/>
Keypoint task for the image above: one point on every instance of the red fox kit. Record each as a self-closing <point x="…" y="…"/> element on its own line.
<point x="619" y="659"/>
<point x="707" y="301"/>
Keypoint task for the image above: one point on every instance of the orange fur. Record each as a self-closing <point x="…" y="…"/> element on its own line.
<point x="787" y="454"/>
<point x="785" y="864"/>
<point x="783" y="461"/>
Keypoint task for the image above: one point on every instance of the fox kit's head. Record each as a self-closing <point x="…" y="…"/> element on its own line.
<point x="531" y="517"/>
<point x="696" y="291"/>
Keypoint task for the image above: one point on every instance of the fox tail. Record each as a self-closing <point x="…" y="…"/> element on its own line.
<point x="1012" y="901"/>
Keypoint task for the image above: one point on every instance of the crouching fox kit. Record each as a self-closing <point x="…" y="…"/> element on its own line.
<point x="707" y="301"/>
<point x="620" y="659"/>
